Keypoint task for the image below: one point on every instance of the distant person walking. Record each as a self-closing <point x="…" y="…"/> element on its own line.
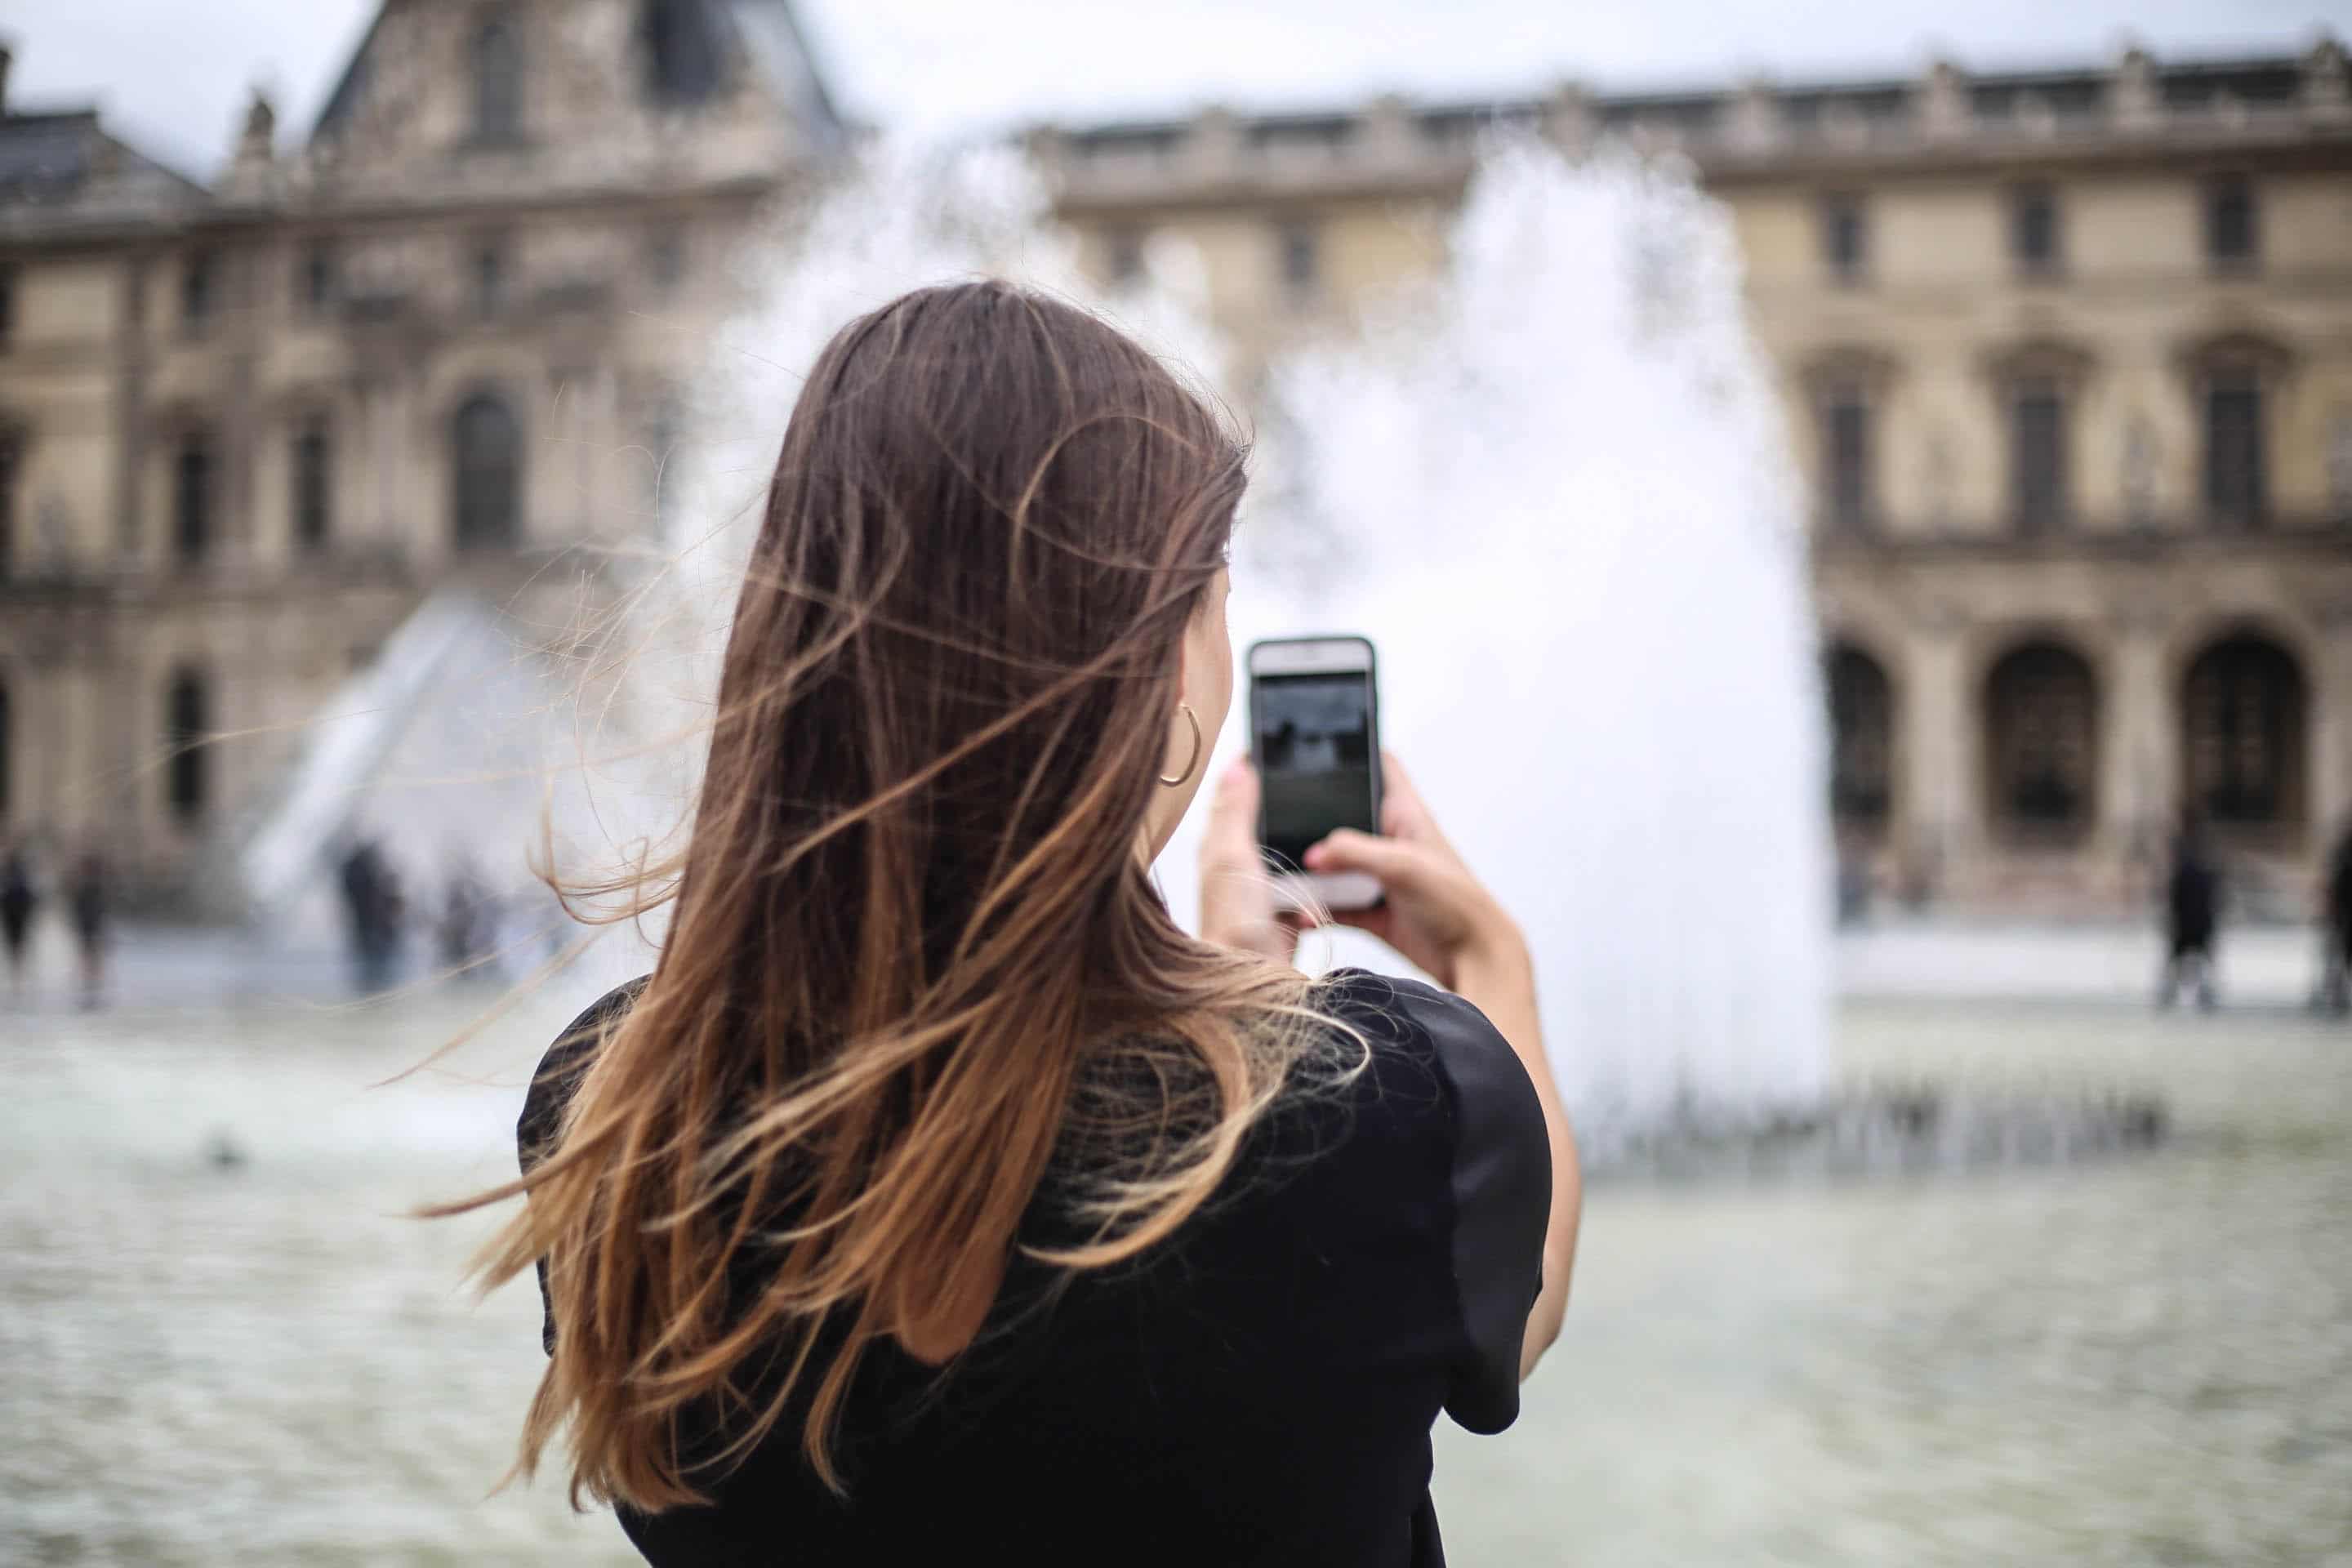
<point x="2193" y="908"/>
<point x="19" y="899"/>
<point x="372" y="905"/>
<point x="86" y="898"/>
<point x="2335" y="965"/>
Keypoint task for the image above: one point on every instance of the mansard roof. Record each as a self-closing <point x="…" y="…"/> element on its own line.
<point x="768" y="34"/>
<point x="61" y="172"/>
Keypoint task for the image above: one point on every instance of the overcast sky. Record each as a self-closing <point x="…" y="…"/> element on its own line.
<point x="172" y="74"/>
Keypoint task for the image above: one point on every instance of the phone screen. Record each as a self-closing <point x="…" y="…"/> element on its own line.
<point x="1314" y="744"/>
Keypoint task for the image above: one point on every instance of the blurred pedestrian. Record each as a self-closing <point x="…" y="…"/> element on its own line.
<point x="2193" y="910"/>
<point x="88" y="898"/>
<point x="2336" y="964"/>
<point x="18" y="898"/>
<point x="371" y="910"/>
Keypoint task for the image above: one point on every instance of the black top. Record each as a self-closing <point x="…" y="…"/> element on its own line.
<point x="1259" y="1389"/>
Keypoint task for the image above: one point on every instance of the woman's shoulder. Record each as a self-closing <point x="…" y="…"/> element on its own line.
<point x="1451" y="1126"/>
<point x="562" y="1068"/>
<point x="1414" y="1029"/>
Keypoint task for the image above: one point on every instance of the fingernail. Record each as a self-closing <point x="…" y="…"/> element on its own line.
<point x="1314" y="857"/>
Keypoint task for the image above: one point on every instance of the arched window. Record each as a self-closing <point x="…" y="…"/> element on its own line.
<point x="681" y="51"/>
<point x="1861" y="740"/>
<point x="192" y="496"/>
<point x="2242" y="743"/>
<point x="497" y="82"/>
<point x="2042" y="715"/>
<point x="486" y="458"/>
<point x="187" y="719"/>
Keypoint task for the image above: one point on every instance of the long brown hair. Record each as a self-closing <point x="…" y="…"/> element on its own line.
<point x="911" y="917"/>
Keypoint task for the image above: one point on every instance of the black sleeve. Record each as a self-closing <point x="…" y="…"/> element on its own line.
<point x="543" y="1103"/>
<point x="1501" y="1180"/>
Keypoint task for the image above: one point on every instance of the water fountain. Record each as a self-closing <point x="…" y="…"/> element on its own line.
<point x="1552" y="487"/>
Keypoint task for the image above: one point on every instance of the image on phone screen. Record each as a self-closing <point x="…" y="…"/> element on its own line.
<point x="1315" y="756"/>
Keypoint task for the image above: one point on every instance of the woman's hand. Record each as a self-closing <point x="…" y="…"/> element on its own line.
<point x="1237" y="902"/>
<point x="1435" y="912"/>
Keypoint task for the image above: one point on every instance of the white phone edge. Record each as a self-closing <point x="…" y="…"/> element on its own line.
<point x="1331" y="889"/>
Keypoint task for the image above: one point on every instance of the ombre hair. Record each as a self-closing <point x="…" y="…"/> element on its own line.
<point x="914" y="950"/>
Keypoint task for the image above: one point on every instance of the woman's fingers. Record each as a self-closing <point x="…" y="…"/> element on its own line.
<point x="1403" y="813"/>
<point x="1230" y="838"/>
<point x="1394" y="862"/>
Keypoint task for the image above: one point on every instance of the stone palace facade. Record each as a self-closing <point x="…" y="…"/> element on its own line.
<point x="2068" y="356"/>
<point x="244" y="429"/>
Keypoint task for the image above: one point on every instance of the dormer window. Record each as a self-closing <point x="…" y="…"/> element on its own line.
<point x="682" y="60"/>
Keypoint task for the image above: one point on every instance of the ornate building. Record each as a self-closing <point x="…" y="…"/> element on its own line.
<point x="2069" y="358"/>
<point x="244" y="430"/>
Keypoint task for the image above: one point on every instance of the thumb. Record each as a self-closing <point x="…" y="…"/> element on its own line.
<point x="1395" y="862"/>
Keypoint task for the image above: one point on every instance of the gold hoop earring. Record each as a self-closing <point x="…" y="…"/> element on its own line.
<point x="1194" y="760"/>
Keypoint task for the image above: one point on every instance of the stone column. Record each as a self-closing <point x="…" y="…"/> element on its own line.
<point x="239" y="455"/>
<point x="385" y="410"/>
<point x="2139" y="750"/>
<point x="1942" y="810"/>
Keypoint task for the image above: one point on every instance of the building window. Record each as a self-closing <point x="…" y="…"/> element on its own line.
<point x="9" y="461"/>
<point x="1861" y="740"/>
<point x="681" y="51"/>
<point x="187" y="721"/>
<point x="2033" y="241"/>
<point x="1123" y="256"/>
<point x="497" y="83"/>
<point x="2241" y="715"/>
<point x="1845" y="238"/>
<point x="489" y="277"/>
<point x="192" y="496"/>
<point x="2236" y="486"/>
<point x="486" y="462"/>
<point x="1300" y="251"/>
<point x="2037" y="455"/>
<point x="321" y="280"/>
<point x="665" y="260"/>
<point x="199" y="284"/>
<point x="1847" y="491"/>
<point x="665" y="433"/>
<point x="2042" y="742"/>
<point x="313" y="498"/>
<point x="2231" y="238"/>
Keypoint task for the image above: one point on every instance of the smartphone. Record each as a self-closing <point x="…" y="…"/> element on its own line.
<point x="1315" y="734"/>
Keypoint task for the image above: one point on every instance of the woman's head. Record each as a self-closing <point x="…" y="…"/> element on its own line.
<point x="982" y="624"/>
<point x="990" y="573"/>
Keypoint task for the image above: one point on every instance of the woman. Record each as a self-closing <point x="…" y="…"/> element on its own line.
<point x="936" y="1195"/>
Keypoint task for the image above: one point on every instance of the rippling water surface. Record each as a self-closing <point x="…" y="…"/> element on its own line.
<point x="2143" y="1361"/>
